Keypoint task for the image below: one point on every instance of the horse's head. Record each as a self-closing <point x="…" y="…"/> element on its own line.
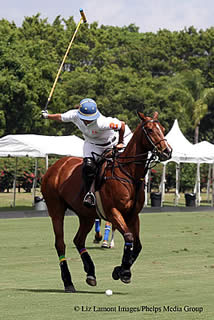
<point x="154" y="133"/>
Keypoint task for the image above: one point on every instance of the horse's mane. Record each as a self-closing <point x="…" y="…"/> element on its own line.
<point x="132" y="145"/>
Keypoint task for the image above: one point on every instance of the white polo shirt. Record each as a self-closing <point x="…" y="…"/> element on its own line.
<point x="100" y="131"/>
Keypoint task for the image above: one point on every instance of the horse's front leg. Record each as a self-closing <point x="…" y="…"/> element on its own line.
<point x="134" y="227"/>
<point x="123" y="272"/>
<point x="79" y="241"/>
<point x="132" y="246"/>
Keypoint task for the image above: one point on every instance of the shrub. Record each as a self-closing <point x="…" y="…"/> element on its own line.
<point x="26" y="181"/>
<point x="6" y="180"/>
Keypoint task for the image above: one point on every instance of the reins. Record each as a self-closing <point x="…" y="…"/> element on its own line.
<point x="114" y="161"/>
<point x="121" y="165"/>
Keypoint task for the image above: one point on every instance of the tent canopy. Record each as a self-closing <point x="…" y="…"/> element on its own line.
<point x="205" y="150"/>
<point x="185" y="151"/>
<point x="39" y="146"/>
<point x="32" y="145"/>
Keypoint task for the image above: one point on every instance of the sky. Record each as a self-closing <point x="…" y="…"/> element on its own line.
<point x="148" y="15"/>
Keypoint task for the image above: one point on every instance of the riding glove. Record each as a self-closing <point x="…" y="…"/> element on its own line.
<point x="44" y="114"/>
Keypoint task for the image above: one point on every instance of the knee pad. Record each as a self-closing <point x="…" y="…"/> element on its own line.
<point x="89" y="167"/>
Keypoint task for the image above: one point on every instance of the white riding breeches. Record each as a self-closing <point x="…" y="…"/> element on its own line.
<point x="88" y="148"/>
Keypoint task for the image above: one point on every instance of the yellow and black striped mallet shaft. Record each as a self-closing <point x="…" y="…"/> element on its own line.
<point x="84" y="20"/>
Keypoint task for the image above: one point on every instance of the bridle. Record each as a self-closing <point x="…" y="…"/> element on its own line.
<point x="115" y="160"/>
<point x="149" y="139"/>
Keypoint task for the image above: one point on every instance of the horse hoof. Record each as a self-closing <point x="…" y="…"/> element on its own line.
<point x="91" y="281"/>
<point x="116" y="273"/>
<point x="70" y="289"/>
<point x="125" y="280"/>
<point x="125" y="276"/>
<point x="105" y="245"/>
<point x="97" y="239"/>
<point x="111" y="244"/>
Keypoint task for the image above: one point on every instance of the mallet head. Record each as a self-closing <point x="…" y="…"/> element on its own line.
<point x="83" y="15"/>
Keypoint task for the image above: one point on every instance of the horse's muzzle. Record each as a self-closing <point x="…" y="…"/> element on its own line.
<point x="166" y="154"/>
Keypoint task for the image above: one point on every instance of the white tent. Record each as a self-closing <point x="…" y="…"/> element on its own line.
<point x="186" y="152"/>
<point x="183" y="150"/>
<point x="204" y="152"/>
<point x="39" y="146"/>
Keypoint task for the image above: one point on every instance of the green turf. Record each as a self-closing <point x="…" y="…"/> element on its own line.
<point x="176" y="269"/>
<point x="24" y="200"/>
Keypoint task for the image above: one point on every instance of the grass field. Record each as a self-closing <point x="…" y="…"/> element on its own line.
<point x="172" y="279"/>
<point x="24" y="201"/>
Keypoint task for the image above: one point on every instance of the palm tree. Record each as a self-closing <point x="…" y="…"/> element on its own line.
<point x="193" y="82"/>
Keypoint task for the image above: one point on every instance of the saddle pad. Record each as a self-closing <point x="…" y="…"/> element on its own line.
<point x="99" y="207"/>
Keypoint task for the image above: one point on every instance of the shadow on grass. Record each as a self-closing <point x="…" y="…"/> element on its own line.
<point x="62" y="291"/>
<point x="17" y="208"/>
<point x="98" y="248"/>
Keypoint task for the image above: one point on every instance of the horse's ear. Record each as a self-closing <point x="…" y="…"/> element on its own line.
<point x="141" y="115"/>
<point x="155" y="117"/>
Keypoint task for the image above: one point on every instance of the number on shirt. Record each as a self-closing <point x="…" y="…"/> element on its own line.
<point x="113" y="125"/>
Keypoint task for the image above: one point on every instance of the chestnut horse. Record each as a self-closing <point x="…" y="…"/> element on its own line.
<point x="120" y="197"/>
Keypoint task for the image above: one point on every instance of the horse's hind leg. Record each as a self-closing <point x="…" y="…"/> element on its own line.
<point x="58" y="226"/>
<point x="98" y="235"/>
<point x="79" y="241"/>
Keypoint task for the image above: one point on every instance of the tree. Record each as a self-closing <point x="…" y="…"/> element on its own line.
<point x="193" y="82"/>
<point x="122" y="69"/>
<point x="207" y="123"/>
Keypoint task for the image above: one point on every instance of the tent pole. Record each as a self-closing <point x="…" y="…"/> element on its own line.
<point x="198" y="186"/>
<point x="46" y="162"/>
<point x="212" y="202"/>
<point x="146" y="190"/>
<point x="148" y="183"/>
<point x="163" y="183"/>
<point x="35" y="180"/>
<point x="14" y="184"/>
<point x="177" y="183"/>
<point x="149" y="180"/>
<point x="209" y="181"/>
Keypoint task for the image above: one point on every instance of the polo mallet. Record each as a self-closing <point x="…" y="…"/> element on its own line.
<point x="83" y="19"/>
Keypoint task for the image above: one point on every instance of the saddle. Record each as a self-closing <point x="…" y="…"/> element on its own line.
<point x="102" y="161"/>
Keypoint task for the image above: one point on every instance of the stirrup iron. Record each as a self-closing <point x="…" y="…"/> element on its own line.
<point x="89" y="200"/>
